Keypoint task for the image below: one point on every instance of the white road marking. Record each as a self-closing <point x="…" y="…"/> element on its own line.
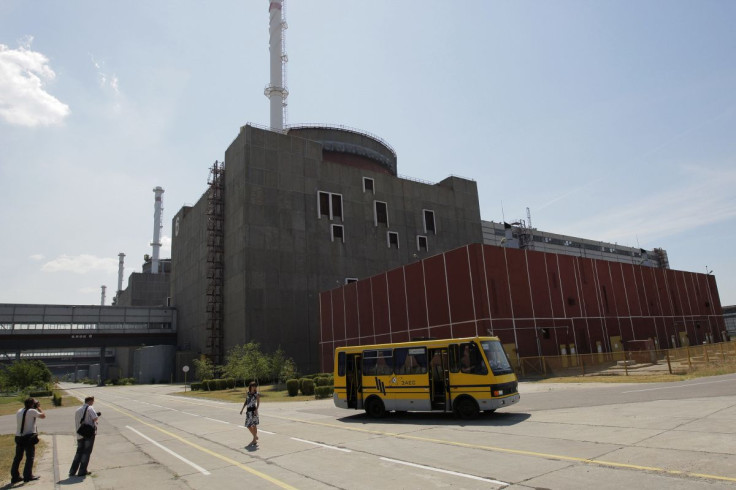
<point x="731" y="380"/>
<point x="192" y="414"/>
<point x="454" y="473"/>
<point x="215" y="420"/>
<point x="193" y="465"/>
<point x="323" y="445"/>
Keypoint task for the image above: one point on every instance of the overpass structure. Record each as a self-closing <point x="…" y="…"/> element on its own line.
<point x="28" y="329"/>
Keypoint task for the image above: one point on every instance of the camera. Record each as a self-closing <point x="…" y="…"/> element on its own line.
<point x="99" y="413"/>
<point x="36" y="404"/>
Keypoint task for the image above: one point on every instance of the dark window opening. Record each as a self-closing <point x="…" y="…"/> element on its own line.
<point x="429" y="221"/>
<point x="381" y="213"/>
<point x="336" y="206"/>
<point x="393" y="239"/>
<point x="324" y="204"/>
<point x="337" y="233"/>
<point x="422" y="243"/>
<point x="571" y="301"/>
<point x="368" y="185"/>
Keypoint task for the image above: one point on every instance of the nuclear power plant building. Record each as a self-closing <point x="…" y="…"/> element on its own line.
<point x="295" y="212"/>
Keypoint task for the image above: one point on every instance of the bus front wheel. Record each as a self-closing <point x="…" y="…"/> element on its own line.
<point x="374" y="408"/>
<point x="466" y="408"/>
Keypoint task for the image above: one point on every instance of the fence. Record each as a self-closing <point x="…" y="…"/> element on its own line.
<point x="661" y="361"/>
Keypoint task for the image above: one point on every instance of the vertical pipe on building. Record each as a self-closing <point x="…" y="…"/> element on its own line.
<point x="121" y="261"/>
<point x="276" y="90"/>
<point x="156" y="243"/>
<point x="102" y="296"/>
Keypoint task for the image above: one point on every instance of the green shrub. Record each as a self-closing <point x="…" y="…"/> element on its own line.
<point x="292" y="386"/>
<point x="195" y="386"/>
<point x="220" y="384"/>
<point x="323" y="392"/>
<point x="307" y="387"/>
<point x="331" y="380"/>
<point x="56" y="400"/>
<point x="39" y="394"/>
<point x="322" y="381"/>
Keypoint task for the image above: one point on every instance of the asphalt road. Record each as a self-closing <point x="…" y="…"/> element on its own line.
<point x="668" y="435"/>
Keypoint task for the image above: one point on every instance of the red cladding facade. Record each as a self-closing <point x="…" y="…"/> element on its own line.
<point x="537" y="303"/>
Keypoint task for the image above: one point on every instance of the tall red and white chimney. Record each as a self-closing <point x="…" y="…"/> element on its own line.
<point x="156" y="243"/>
<point x="276" y="90"/>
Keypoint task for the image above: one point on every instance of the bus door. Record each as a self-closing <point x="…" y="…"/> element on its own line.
<point x="439" y="379"/>
<point x="353" y="379"/>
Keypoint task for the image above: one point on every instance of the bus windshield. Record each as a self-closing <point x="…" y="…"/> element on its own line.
<point x="496" y="357"/>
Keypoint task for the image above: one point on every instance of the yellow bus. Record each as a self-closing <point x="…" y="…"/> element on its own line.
<point x="465" y="376"/>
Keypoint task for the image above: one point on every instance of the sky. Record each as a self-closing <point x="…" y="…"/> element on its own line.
<point x="609" y="120"/>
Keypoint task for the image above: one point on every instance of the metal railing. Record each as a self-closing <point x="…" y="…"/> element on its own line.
<point x="681" y="360"/>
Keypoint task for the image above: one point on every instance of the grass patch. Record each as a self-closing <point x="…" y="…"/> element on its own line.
<point x="11" y="404"/>
<point x="269" y="393"/>
<point x="7" y="453"/>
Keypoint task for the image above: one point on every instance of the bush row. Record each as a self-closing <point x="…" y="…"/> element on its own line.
<point x="216" y="384"/>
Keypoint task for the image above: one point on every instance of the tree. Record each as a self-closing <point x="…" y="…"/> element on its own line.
<point x="203" y="369"/>
<point x="288" y="370"/>
<point x="26" y="374"/>
<point x="281" y="367"/>
<point x="247" y="362"/>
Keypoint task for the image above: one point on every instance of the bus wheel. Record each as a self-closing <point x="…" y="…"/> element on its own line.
<point x="374" y="408"/>
<point x="466" y="408"/>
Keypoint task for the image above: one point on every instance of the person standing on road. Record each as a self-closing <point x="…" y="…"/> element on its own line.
<point x="252" y="401"/>
<point x="26" y="437"/>
<point x="84" y="415"/>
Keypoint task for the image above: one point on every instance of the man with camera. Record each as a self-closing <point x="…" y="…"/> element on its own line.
<point x="85" y="424"/>
<point x="26" y="438"/>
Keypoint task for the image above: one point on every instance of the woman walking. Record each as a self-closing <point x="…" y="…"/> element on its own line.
<point x="252" y="400"/>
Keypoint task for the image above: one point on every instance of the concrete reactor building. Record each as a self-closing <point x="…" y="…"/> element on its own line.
<point x="297" y="210"/>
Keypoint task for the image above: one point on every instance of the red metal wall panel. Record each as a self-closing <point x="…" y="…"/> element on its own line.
<point x="540" y="292"/>
<point x="416" y="300"/>
<point x="437" y="308"/>
<point x="459" y="286"/>
<point x="325" y="313"/>
<point x="380" y="307"/>
<point x="365" y="311"/>
<point x="519" y="281"/>
<point x="351" y="311"/>
<point x="559" y="302"/>
<point x="397" y="303"/>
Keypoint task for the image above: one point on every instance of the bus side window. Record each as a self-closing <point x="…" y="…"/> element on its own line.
<point x="410" y="360"/>
<point x="369" y="363"/>
<point x="453" y="358"/>
<point x="385" y="364"/>
<point x="341" y="364"/>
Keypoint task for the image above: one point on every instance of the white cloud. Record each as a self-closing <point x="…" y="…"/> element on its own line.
<point x="105" y="79"/>
<point x="81" y="264"/>
<point x="165" y="251"/>
<point x="23" y="100"/>
<point x="36" y="257"/>
<point x="706" y="199"/>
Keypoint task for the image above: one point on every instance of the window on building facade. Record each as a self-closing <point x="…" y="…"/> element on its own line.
<point x="336" y="206"/>
<point x="329" y="205"/>
<point x="338" y="233"/>
<point x="368" y="185"/>
<point x="323" y="201"/>
<point x="393" y="239"/>
<point x="421" y="243"/>
<point x="349" y="280"/>
<point x="380" y="213"/>
<point x="429" y="225"/>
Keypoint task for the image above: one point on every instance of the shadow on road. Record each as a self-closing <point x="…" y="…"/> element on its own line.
<point x="428" y="418"/>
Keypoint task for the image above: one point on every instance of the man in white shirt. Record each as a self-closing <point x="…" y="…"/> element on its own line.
<point x="84" y="415"/>
<point x="24" y="443"/>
